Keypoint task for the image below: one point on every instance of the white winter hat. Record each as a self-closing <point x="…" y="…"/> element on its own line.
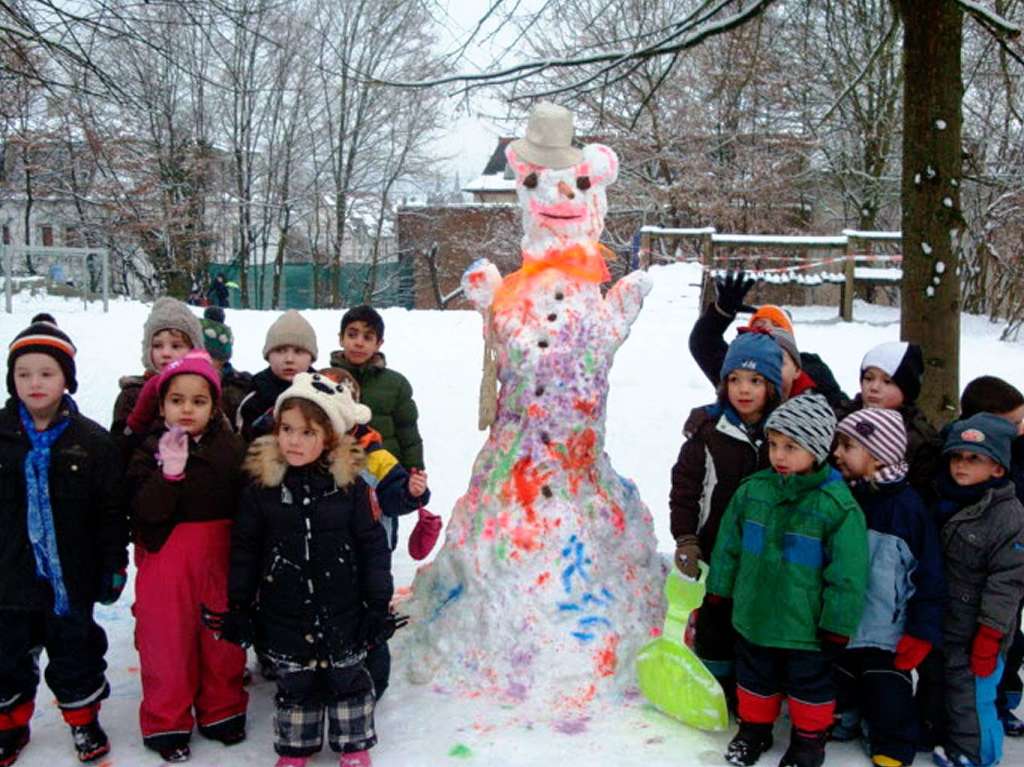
<point x="334" y="399"/>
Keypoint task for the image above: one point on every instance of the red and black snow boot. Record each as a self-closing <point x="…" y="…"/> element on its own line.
<point x="11" y="743"/>
<point x="90" y="741"/>
<point x="806" y="749"/>
<point x="749" y="743"/>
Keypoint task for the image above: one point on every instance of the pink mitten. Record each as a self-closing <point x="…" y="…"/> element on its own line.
<point x="147" y="407"/>
<point x="424" y="535"/>
<point x="173" y="453"/>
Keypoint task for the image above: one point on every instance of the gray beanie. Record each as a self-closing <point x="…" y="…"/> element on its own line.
<point x="290" y="329"/>
<point x="807" y="420"/>
<point x="786" y="342"/>
<point x="169" y="314"/>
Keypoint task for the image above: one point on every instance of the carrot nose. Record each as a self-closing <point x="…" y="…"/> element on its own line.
<point x="566" y="190"/>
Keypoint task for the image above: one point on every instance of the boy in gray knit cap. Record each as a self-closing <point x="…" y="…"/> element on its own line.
<point x="290" y="348"/>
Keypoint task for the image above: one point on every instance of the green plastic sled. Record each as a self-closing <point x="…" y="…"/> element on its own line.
<point x="671" y="676"/>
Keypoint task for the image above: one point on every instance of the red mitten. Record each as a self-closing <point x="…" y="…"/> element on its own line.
<point x="910" y="652"/>
<point x="147" y="407"/>
<point x="985" y="650"/>
<point x="424" y="535"/>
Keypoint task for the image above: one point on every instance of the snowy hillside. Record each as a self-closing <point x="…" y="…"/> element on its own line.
<point x="654" y="384"/>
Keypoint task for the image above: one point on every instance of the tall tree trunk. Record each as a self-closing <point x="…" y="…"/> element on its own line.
<point x="932" y="221"/>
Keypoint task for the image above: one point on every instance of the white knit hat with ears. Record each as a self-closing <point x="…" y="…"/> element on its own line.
<point x="334" y="399"/>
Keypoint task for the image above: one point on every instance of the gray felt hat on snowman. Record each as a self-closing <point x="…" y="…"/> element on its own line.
<point x="333" y="398"/>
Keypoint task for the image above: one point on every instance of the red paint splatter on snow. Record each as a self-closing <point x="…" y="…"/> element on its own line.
<point x="536" y="411"/>
<point x="618" y="518"/>
<point x="607" y="658"/>
<point x="577" y="457"/>
<point x="476" y="278"/>
<point x="655" y="631"/>
<point x="586" y="406"/>
<point x="543" y="578"/>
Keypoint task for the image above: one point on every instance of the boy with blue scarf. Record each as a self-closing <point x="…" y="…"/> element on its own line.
<point x="982" y="531"/>
<point x="64" y="546"/>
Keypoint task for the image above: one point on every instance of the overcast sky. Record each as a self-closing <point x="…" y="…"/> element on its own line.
<point x="473" y="133"/>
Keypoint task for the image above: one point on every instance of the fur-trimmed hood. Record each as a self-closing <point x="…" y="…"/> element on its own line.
<point x="266" y="464"/>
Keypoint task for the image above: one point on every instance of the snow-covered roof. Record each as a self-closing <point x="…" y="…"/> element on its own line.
<point x="491" y="182"/>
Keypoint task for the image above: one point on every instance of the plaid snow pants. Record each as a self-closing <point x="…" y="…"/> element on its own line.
<point x="346" y="692"/>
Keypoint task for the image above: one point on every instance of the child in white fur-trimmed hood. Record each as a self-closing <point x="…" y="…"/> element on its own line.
<point x="311" y="572"/>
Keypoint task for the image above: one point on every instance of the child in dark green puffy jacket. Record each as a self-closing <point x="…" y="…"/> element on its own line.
<point x="792" y="555"/>
<point x="385" y="391"/>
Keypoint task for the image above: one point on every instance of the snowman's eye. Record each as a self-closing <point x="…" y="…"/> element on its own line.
<point x="583" y="183"/>
<point x="530" y="182"/>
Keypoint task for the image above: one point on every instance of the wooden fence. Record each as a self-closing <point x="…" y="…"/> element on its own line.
<point x="843" y="253"/>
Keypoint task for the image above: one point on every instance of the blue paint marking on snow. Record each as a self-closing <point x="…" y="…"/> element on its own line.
<point x="578" y="566"/>
<point x="452" y="596"/>
<point x="566" y="607"/>
<point x="583" y="636"/>
<point x="595" y="620"/>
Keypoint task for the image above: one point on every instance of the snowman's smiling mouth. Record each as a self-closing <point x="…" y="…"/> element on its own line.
<point x="557" y="217"/>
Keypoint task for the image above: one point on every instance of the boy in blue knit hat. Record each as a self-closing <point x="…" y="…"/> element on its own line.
<point x="982" y="530"/>
<point x="724" y="444"/>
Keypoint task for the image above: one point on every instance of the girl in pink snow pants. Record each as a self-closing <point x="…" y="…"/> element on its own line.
<point x="185" y="481"/>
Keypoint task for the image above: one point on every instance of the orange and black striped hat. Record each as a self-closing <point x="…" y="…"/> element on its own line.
<point x="43" y="338"/>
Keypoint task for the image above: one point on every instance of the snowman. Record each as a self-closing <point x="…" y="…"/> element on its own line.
<point x="549" y="580"/>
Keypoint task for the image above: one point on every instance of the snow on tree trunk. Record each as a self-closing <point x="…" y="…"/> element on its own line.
<point x="549" y="581"/>
<point x="932" y="220"/>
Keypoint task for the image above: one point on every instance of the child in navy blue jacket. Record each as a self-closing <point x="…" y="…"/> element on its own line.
<point x="903" y="611"/>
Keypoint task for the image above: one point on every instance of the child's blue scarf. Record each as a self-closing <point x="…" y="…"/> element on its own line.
<point x="41" y="532"/>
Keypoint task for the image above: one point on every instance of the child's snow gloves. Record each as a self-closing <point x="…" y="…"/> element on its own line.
<point x="111" y="587"/>
<point x="235" y="625"/>
<point x="378" y="625"/>
<point x="985" y="650"/>
<point x="730" y="291"/>
<point x="172" y="454"/>
<point x="910" y="652"/>
<point x="688" y="555"/>
<point x="424" y="535"/>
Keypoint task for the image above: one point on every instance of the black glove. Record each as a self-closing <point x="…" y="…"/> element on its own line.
<point x="731" y="290"/>
<point x="111" y="587"/>
<point x="234" y="625"/>
<point x="377" y="627"/>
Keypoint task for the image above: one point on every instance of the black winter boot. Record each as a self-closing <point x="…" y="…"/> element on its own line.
<point x="748" y="744"/>
<point x="11" y="743"/>
<point x="90" y="741"/>
<point x="176" y="754"/>
<point x="806" y="749"/>
<point x="229" y="732"/>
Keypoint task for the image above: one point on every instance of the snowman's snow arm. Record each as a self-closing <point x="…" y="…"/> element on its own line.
<point x="479" y="282"/>
<point x="626" y="297"/>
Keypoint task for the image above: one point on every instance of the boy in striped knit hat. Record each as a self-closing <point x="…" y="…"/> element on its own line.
<point x="902" y="618"/>
<point x="792" y="555"/>
<point x="64" y="545"/>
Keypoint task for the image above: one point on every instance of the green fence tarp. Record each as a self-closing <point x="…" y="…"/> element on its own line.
<point x="393" y="287"/>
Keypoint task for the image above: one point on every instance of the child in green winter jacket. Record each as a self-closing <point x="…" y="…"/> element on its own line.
<point x="384" y="390"/>
<point x="792" y="555"/>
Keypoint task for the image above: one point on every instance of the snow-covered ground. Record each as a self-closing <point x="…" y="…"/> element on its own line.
<point x="654" y="384"/>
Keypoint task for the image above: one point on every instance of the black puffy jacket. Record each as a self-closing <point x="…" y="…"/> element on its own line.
<point x="306" y="551"/>
<point x="88" y="507"/>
